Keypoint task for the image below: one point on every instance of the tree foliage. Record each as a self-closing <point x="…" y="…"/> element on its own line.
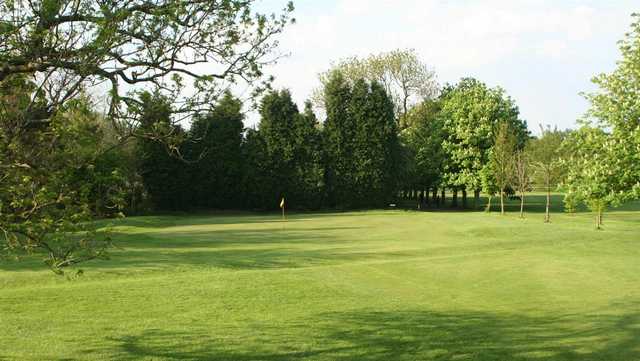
<point x="55" y="52"/>
<point x="423" y="141"/>
<point x="592" y="176"/>
<point x="361" y="143"/>
<point x="501" y="159"/>
<point x="69" y="45"/>
<point x="604" y="163"/>
<point x="546" y="157"/>
<point x="616" y="107"/>
<point x="48" y="176"/>
<point x="405" y="78"/>
<point x="472" y="113"/>
<point x="163" y="174"/>
<point x="216" y="139"/>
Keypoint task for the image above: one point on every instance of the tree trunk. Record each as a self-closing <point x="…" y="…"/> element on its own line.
<point x="435" y="196"/>
<point x="502" y="202"/>
<point x="476" y="198"/>
<point x="454" y="199"/>
<point x="547" y="216"/>
<point x="600" y="212"/>
<point x="488" y="208"/>
<point x="443" y="197"/>
<point x="521" y="204"/>
<point x="464" y="198"/>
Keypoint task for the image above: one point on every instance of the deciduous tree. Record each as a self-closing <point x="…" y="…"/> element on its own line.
<point x="546" y="160"/>
<point x="472" y="112"/>
<point x="406" y="79"/>
<point x="501" y="159"/>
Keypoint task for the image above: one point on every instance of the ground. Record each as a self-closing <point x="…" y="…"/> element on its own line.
<point x="372" y="285"/>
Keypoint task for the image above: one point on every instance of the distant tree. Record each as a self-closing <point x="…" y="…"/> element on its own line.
<point x="361" y="144"/>
<point x="593" y="173"/>
<point x="165" y="177"/>
<point x="216" y="139"/>
<point x="546" y="160"/>
<point x="257" y="183"/>
<point x="570" y="201"/>
<point x="339" y="135"/>
<point x="423" y="140"/>
<point x="489" y="185"/>
<point x="501" y="159"/>
<point x="405" y="78"/>
<point x="376" y="151"/>
<point x="616" y="108"/>
<point x="472" y="112"/>
<point x="309" y="160"/>
<point x="522" y="179"/>
<point x="294" y="151"/>
<point x="278" y="115"/>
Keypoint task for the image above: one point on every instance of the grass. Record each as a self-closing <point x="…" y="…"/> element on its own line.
<point x="374" y="285"/>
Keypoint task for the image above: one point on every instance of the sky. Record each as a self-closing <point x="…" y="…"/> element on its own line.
<point x="542" y="52"/>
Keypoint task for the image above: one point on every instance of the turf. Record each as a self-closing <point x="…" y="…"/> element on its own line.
<point x="373" y="285"/>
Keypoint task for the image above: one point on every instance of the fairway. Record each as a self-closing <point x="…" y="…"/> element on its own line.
<point x="371" y="285"/>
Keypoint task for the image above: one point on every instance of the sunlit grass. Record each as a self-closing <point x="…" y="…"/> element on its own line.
<point x="373" y="285"/>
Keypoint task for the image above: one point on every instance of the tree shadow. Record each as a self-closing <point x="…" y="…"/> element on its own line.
<point x="233" y="248"/>
<point x="402" y="335"/>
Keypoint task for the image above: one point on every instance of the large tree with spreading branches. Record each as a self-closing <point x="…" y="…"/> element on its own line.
<point x="56" y="54"/>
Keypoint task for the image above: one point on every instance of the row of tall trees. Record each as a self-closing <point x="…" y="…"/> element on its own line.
<point x="350" y="162"/>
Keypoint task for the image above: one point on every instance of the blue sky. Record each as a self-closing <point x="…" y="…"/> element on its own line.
<point x="542" y="52"/>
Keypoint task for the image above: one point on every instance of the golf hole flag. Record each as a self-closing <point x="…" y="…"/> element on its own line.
<point x="282" y="203"/>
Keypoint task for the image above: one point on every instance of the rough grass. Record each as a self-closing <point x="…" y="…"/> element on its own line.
<point x="376" y="285"/>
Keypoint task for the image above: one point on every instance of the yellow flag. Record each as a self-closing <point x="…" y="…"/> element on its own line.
<point x="282" y="203"/>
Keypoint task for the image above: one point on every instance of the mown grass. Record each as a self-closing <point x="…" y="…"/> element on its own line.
<point x="374" y="285"/>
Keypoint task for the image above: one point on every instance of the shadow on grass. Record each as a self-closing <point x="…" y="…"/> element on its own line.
<point x="263" y="249"/>
<point x="403" y="335"/>
<point x="274" y="248"/>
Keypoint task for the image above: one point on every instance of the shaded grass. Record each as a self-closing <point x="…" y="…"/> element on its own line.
<point x="375" y="285"/>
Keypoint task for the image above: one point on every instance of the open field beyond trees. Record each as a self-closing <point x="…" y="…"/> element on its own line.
<point x="371" y="285"/>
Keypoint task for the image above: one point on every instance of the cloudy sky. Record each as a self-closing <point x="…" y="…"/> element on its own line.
<point x="543" y="52"/>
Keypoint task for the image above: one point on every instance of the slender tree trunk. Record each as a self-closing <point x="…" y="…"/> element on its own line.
<point x="476" y="198"/>
<point x="521" y="204"/>
<point x="464" y="198"/>
<point x="488" y="208"/>
<point x="443" y="197"/>
<point x="435" y="196"/>
<point x="502" y="202"/>
<point x="600" y="212"/>
<point x="547" y="216"/>
<point x="454" y="199"/>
